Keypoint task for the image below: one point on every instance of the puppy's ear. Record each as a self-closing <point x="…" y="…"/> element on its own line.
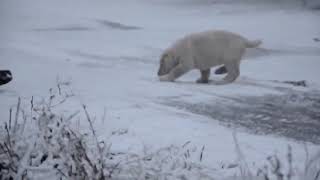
<point x="163" y="57"/>
<point x="162" y="69"/>
<point x="176" y="60"/>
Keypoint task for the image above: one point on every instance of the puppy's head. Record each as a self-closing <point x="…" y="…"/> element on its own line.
<point x="167" y="62"/>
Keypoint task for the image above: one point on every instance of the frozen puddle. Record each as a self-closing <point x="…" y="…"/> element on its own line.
<point x="295" y="114"/>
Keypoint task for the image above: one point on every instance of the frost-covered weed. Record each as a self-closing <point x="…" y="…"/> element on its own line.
<point x="42" y="143"/>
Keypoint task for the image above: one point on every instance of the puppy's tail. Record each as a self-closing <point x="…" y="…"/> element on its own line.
<point x="253" y="44"/>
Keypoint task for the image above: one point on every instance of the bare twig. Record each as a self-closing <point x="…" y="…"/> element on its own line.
<point x="244" y="168"/>
<point x="100" y="150"/>
<point x="17" y="116"/>
<point x="201" y="154"/>
<point x="10" y="117"/>
<point x="312" y="161"/>
<point x="317" y="175"/>
<point x="24" y="117"/>
<point x="58" y="103"/>
<point x="73" y="115"/>
<point x="289" y="157"/>
<point x="59" y="88"/>
<point x="90" y="123"/>
<point x="307" y="158"/>
<point x="186" y="143"/>
<point x="104" y="114"/>
<point x="113" y="168"/>
<point x="62" y="173"/>
<point x="31" y="108"/>
<point x="276" y="165"/>
<point x="264" y="173"/>
<point x="8" y="135"/>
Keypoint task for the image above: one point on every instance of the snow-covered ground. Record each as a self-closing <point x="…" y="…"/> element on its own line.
<point x="109" y="51"/>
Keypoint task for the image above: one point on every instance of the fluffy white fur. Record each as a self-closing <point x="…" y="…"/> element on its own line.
<point x="202" y="51"/>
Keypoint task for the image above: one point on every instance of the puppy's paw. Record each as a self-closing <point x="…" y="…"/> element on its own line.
<point x="202" y="81"/>
<point x="165" y="78"/>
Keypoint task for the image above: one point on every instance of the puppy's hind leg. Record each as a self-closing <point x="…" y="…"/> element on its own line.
<point x="221" y="70"/>
<point x="204" y="76"/>
<point x="233" y="70"/>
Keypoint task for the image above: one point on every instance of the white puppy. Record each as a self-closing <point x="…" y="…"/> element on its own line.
<point x="202" y="51"/>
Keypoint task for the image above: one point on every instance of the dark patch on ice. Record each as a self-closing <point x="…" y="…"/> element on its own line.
<point x="5" y="76"/>
<point x="117" y="25"/>
<point x="302" y="83"/>
<point x="65" y="28"/>
<point x="295" y="114"/>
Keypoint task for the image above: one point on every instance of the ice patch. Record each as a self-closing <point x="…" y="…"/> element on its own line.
<point x="295" y="114"/>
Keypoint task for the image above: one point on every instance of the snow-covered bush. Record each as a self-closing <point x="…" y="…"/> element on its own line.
<point x="276" y="168"/>
<point x="171" y="163"/>
<point x="43" y="144"/>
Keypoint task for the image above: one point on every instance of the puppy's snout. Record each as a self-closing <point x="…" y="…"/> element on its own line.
<point x="161" y="70"/>
<point x="160" y="73"/>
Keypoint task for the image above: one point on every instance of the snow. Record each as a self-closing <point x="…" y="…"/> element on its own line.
<point x="109" y="50"/>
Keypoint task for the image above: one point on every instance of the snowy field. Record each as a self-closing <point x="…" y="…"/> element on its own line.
<point x="107" y="52"/>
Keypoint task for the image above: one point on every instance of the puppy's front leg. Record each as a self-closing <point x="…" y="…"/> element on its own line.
<point x="175" y="73"/>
